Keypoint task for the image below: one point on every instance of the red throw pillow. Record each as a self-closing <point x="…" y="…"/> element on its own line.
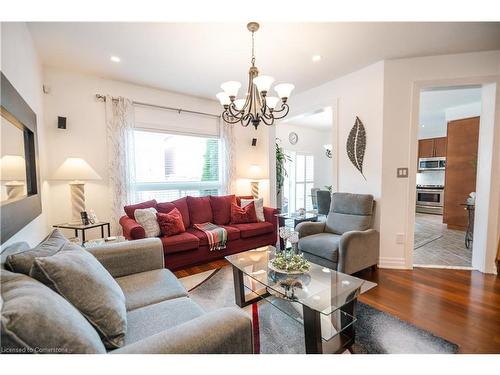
<point x="221" y="208"/>
<point x="242" y="215"/>
<point x="170" y="223"/>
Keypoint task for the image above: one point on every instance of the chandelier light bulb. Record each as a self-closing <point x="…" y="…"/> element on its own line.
<point x="271" y="101"/>
<point x="223" y="98"/>
<point x="231" y="88"/>
<point x="239" y="103"/>
<point x="284" y="89"/>
<point x="263" y="83"/>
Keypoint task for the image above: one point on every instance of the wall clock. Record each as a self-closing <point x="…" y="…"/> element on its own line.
<point x="293" y="138"/>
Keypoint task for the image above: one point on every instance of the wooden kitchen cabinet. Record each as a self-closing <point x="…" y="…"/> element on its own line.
<point x="432" y="147"/>
<point x="461" y="166"/>
<point x="440" y="146"/>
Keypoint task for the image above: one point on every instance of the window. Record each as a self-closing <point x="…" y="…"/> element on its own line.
<point x="299" y="182"/>
<point x="169" y="166"/>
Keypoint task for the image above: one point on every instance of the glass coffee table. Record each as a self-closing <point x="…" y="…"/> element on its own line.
<point x="322" y="300"/>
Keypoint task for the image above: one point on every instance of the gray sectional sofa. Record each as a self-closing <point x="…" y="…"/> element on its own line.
<point x="160" y="316"/>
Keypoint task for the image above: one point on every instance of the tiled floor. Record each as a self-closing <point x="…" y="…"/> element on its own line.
<point x="436" y="245"/>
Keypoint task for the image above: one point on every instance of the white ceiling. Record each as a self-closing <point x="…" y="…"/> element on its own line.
<point x="194" y="58"/>
<point x="321" y="119"/>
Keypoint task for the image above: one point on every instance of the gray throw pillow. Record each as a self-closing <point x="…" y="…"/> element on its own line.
<point x="146" y="218"/>
<point x="21" y="262"/>
<point x="35" y="319"/>
<point x="86" y="284"/>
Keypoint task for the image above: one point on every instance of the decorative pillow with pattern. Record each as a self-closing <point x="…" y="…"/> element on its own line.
<point x="171" y="223"/>
<point x="259" y="207"/>
<point x="243" y="215"/>
<point x="146" y="218"/>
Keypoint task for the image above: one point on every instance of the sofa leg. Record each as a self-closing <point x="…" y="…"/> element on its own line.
<point x="374" y="267"/>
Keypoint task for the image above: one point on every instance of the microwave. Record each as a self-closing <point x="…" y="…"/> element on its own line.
<point x="432" y="164"/>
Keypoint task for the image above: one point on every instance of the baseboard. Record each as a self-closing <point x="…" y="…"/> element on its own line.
<point x="392" y="262"/>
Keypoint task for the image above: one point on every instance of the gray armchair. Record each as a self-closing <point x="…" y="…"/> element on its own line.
<point x="344" y="242"/>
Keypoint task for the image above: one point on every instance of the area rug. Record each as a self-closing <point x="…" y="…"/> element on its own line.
<point x="275" y="332"/>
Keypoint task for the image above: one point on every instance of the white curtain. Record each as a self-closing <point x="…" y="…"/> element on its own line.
<point x="121" y="169"/>
<point x="228" y="161"/>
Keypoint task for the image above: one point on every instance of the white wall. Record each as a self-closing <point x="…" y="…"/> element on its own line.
<point x="311" y="141"/>
<point x="400" y="143"/>
<point x="356" y="94"/>
<point x="73" y="95"/>
<point x="21" y="66"/>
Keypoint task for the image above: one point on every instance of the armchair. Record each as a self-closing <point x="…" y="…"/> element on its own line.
<point x="345" y="242"/>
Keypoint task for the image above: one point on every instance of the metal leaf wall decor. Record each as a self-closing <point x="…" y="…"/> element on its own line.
<point x="356" y="145"/>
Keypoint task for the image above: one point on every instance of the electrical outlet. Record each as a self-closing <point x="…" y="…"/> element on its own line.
<point x="400" y="238"/>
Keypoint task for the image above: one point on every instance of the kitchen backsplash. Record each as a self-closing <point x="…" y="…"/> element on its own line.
<point x="430" y="178"/>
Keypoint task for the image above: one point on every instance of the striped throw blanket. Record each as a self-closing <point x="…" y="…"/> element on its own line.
<point x="216" y="235"/>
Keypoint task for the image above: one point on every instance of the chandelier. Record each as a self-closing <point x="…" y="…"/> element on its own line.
<point x="257" y="106"/>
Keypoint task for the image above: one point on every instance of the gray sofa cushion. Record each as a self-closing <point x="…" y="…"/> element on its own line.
<point x="322" y="245"/>
<point x="84" y="282"/>
<point x="349" y="212"/>
<point x="35" y="317"/>
<point x="153" y="319"/>
<point x="22" y="261"/>
<point x="150" y="287"/>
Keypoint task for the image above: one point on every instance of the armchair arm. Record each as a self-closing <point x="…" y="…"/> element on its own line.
<point x="358" y="250"/>
<point x="131" y="229"/>
<point x="308" y="228"/>
<point x="125" y="258"/>
<point x="224" y="331"/>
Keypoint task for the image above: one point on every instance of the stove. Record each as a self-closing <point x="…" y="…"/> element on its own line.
<point x="430" y="199"/>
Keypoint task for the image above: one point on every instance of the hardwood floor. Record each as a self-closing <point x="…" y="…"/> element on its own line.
<point x="460" y="306"/>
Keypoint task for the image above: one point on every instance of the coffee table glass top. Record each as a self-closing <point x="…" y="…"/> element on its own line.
<point x="297" y="216"/>
<point x="321" y="289"/>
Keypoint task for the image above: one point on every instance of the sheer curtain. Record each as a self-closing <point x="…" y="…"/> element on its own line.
<point x="121" y="167"/>
<point x="228" y="161"/>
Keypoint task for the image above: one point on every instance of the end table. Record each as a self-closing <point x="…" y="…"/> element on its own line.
<point x="83" y="228"/>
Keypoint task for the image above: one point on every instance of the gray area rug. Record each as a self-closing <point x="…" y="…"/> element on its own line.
<point x="278" y="333"/>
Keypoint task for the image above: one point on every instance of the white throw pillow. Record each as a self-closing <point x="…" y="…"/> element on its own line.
<point x="146" y="218"/>
<point x="259" y="207"/>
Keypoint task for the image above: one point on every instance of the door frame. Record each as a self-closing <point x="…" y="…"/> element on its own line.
<point x="488" y="204"/>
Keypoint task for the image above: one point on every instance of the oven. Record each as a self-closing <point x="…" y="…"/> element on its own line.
<point x="430" y="199"/>
<point x="432" y="164"/>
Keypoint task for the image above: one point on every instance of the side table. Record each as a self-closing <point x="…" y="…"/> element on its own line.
<point x="83" y="228"/>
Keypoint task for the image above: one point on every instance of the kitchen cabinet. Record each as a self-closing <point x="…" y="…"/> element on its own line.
<point x="432" y="147"/>
<point x="461" y="166"/>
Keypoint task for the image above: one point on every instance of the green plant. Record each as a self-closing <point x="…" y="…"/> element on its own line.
<point x="281" y="173"/>
<point x="329" y="188"/>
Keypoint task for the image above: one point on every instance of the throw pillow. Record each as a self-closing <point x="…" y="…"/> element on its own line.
<point x="130" y="210"/>
<point x="86" y="284"/>
<point x="242" y="215"/>
<point x="221" y="208"/>
<point x="21" y="262"/>
<point x="35" y="319"/>
<point x="180" y="204"/>
<point x="171" y="223"/>
<point x="259" y="207"/>
<point x="146" y="218"/>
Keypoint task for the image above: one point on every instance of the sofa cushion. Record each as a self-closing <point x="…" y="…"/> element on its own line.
<point x="232" y="234"/>
<point x="179" y="242"/>
<point x="21" y="262"/>
<point x="86" y="284"/>
<point x="36" y="317"/>
<point x="200" y="210"/>
<point x="221" y="208"/>
<point x="145" y="288"/>
<point x="170" y="223"/>
<point x="349" y="212"/>
<point x="253" y="229"/>
<point x="129" y="210"/>
<point x="259" y="207"/>
<point x="146" y="218"/>
<point x="323" y="245"/>
<point x="153" y="319"/>
<point x="242" y="215"/>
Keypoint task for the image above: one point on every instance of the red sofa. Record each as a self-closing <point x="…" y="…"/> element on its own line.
<point x="191" y="247"/>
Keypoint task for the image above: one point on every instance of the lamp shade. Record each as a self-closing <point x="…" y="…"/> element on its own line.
<point x="263" y="83"/>
<point x="223" y="98"/>
<point x="231" y="88"/>
<point x="75" y="169"/>
<point x="255" y="172"/>
<point x="284" y="89"/>
<point x="12" y="168"/>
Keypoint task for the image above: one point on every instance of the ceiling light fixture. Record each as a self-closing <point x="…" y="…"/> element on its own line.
<point x="316" y="58"/>
<point x="256" y="106"/>
<point x="115" y="59"/>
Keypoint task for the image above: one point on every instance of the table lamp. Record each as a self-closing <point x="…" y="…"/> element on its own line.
<point x="13" y="170"/>
<point x="255" y="174"/>
<point x="76" y="170"/>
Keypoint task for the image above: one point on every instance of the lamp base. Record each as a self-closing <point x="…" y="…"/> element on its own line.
<point x="77" y="201"/>
<point x="255" y="189"/>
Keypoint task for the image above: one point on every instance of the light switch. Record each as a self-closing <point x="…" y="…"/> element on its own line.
<point x="402" y="173"/>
